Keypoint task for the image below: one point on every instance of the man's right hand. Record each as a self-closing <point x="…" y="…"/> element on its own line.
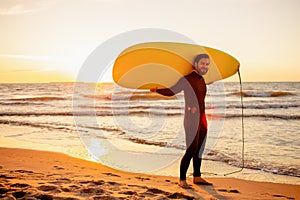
<point x="153" y="89"/>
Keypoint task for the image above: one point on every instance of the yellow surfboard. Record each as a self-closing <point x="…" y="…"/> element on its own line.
<point x="162" y="64"/>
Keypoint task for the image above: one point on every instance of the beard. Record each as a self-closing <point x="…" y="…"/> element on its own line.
<point x="202" y="72"/>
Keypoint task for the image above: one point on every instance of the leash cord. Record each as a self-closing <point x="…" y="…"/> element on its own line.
<point x="243" y="133"/>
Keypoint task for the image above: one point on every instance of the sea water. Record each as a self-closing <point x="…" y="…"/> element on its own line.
<point x="139" y="131"/>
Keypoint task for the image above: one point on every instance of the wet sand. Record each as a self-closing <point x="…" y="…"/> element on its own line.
<point x="31" y="174"/>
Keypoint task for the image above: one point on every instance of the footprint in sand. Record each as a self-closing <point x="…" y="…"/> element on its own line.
<point x="47" y="188"/>
<point x="24" y="171"/>
<point x="19" y="194"/>
<point x="43" y="196"/>
<point x="3" y="176"/>
<point x="13" y="191"/>
<point x="65" y="189"/>
<point x="60" y="181"/>
<point x="152" y="192"/>
<point x="157" y="191"/>
<point x="111" y="174"/>
<point x="99" y="182"/>
<point x="129" y="192"/>
<point x="20" y="185"/>
<point x="230" y="191"/>
<point x="91" y="190"/>
<point x="84" y="182"/>
<point x="74" y="186"/>
<point x="177" y="195"/>
<point x="282" y="196"/>
<point x="114" y="183"/>
<point x="104" y="197"/>
<point x="63" y="179"/>
<point x="142" y="179"/>
<point x="58" y="168"/>
<point x="3" y="190"/>
<point x="138" y="186"/>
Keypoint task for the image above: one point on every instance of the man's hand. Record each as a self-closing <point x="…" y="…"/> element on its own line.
<point x="153" y="89"/>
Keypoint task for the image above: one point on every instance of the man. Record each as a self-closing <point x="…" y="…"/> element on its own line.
<point x="195" y="124"/>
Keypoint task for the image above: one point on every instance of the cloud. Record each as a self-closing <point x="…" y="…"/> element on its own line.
<point x="16" y="7"/>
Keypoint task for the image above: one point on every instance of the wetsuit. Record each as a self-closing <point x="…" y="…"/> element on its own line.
<point x="195" y="124"/>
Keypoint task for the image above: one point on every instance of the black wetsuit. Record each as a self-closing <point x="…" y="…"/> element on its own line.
<point x="195" y="124"/>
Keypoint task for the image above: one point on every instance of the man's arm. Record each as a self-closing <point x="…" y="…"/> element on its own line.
<point x="170" y="91"/>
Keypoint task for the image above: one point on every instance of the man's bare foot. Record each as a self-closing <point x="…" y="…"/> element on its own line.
<point x="200" y="181"/>
<point x="184" y="184"/>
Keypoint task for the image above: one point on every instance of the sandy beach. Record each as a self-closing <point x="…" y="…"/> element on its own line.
<point x="31" y="174"/>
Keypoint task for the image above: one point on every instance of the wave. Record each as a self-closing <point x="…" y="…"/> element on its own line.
<point x="155" y="143"/>
<point x="253" y="164"/>
<point x="20" y="103"/>
<point x="42" y="98"/>
<point x="143" y="113"/>
<point x="218" y="156"/>
<point x="213" y="155"/>
<point x="265" y="106"/>
<point x="45" y="114"/>
<point x="129" y="96"/>
<point x="36" y="125"/>
<point x="143" y="108"/>
<point x="89" y="113"/>
<point x="262" y="94"/>
<point x="117" y="107"/>
<point x="98" y="97"/>
<point x="287" y="117"/>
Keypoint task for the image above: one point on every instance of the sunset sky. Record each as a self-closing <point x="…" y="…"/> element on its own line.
<point x="44" y="41"/>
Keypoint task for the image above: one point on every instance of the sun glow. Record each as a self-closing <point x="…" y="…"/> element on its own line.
<point x="25" y="68"/>
<point x="40" y="39"/>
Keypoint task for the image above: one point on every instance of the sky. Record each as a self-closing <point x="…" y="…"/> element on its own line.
<point x="48" y="41"/>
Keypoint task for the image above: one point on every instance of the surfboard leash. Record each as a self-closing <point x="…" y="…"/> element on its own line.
<point x="243" y="127"/>
<point x="243" y="134"/>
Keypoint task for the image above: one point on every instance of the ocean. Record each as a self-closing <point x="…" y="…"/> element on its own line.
<point x="139" y="131"/>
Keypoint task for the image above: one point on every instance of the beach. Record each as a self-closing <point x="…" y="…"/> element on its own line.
<point x="31" y="174"/>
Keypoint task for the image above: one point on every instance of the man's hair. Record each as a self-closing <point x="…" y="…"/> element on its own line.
<point x="199" y="57"/>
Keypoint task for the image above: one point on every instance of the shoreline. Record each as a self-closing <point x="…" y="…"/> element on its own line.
<point x="39" y="174"/>
<point x="208" y="168"/>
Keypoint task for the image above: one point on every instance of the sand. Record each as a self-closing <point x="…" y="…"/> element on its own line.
<point x="30" y="174"/>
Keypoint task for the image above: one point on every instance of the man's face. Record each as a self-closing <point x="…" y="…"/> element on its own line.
<point x="202" y="65"/>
